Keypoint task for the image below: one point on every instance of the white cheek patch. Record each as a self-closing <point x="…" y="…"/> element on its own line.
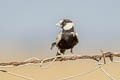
<point x="68" y="26"/>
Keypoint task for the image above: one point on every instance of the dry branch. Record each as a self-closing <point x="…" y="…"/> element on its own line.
<point x="66" y="58"/>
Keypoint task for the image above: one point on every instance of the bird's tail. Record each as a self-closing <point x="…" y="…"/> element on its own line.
<point x="53" y="44"/>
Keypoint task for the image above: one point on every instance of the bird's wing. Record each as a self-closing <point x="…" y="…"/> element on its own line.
<point x="75" y="34"/>
<point x="59" y="36"/>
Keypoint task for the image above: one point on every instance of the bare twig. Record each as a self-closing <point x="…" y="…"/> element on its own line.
<point x="64" y="58"/>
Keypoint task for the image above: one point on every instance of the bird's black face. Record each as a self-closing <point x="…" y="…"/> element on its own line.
<point x="63" y="22"/>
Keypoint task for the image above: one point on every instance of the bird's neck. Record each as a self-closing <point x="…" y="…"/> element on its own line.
<point x="70" y="30"/>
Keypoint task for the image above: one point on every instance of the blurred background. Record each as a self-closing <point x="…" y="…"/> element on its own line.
<point x="27" y="27"/>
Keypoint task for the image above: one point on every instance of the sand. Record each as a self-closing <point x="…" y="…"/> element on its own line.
<point x="63" y="69"/>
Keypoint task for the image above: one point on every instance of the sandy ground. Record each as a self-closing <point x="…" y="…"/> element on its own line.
<point x="63" y="69"/>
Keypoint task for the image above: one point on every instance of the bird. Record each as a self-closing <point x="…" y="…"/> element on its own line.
<point x="67" y="38"/>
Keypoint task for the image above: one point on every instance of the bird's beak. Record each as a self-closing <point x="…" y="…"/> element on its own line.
<point x="58" y="25"/>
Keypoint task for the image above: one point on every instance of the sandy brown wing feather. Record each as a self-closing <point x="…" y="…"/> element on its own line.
<point x="59" y="36"/>
<point x="77" y="36"/>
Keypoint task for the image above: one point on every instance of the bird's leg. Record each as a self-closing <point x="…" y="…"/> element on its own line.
<point x="58" y="53"/>
<point x="71" y="50"/>
<point x="62" y="51"/>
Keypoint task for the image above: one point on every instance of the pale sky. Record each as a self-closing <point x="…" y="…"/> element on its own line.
<point x="29" y="25"/>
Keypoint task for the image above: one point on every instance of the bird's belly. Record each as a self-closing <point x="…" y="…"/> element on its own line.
<point x="67" y="41"/>
<point x="65" y="45"/>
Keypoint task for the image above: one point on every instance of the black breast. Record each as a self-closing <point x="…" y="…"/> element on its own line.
<point x="67" y="41"/>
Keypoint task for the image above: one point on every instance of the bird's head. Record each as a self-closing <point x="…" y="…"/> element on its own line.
<point x="65" y="24"/>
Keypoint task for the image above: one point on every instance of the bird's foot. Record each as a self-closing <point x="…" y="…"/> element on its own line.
<point x="59" y="55"/>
